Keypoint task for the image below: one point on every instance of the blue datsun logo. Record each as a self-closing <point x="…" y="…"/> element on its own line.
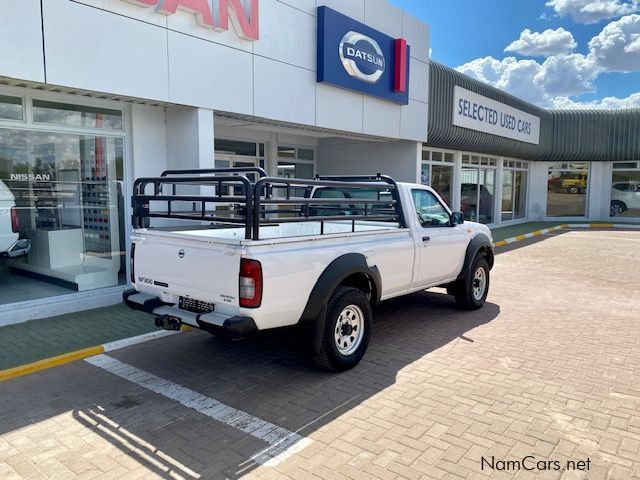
<point x="362" y="57"/>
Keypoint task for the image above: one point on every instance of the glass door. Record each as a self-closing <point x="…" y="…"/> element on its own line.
<point x="477" y="194"/>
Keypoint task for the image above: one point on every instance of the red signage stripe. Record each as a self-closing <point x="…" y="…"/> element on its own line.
<point x="400" y="78"/>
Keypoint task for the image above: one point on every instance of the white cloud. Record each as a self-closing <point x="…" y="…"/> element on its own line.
<point x="632" y="101"/>
<point x="617" y="47"/>
<point x="593" y="11"/>
<point x="552" y="82"/>
<point x="536" y="44"/>
<point x="558" y="76"/>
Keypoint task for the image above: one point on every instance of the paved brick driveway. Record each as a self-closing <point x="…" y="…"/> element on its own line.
<point x="550" y="368"/>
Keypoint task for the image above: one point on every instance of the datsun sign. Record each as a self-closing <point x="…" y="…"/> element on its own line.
<point x="244" y="14"/>
<point x="354" y="56"/>
<point x="482" y="114"/>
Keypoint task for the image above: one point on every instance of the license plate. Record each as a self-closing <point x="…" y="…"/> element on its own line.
<point x="195" y="306"/>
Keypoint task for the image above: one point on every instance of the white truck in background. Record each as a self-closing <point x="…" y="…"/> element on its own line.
<point x="316" y="254"/>
<point x="10" y="243"/>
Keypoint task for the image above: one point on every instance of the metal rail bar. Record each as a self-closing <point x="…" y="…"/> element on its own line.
<point x="249" y="200"/>
<point x="208" y="171"/>
<point x="270" y="183"/>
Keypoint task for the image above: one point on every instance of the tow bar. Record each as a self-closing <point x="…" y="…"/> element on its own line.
<point x="167" y="322"/>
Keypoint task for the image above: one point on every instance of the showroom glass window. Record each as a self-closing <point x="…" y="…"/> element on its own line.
<point x="567" y="189"/>
<point x="296" y="162"/>
<point x="437" y="172"/>
<point x="63" y="165"/>
<point x="477" y="188"/>
<point x="238" y="153"/>
<point x="625" y="190"/>
<point x="514" y="189"/>
<point x="231" y="153"/>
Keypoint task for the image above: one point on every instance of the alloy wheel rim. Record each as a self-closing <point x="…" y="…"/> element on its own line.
<point x="349" y="330"/>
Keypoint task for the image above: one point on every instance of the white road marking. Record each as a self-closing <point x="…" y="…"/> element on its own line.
<point x="282" y="442"/>
<point x="127" y="342"/>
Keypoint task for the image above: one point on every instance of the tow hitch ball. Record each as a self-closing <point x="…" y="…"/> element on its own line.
<point x="168" y="322"/>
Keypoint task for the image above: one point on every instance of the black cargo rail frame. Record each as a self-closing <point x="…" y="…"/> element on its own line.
<point x="254" y="203"/>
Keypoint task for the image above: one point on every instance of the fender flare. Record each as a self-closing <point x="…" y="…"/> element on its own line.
<point x="478" y="243"/>
<point x="313" y="316"/>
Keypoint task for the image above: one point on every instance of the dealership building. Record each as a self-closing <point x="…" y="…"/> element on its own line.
<point x="97" y="93"/>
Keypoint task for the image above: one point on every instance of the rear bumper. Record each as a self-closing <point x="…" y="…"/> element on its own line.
<point x="231" y="327"/>
<point x="18" y="249"/>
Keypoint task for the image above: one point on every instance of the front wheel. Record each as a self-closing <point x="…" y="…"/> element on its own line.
<point x="471" y="292"/>
<point x="347" y="330"/>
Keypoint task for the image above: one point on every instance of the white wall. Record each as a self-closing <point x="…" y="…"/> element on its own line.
<point x="400" y="160"/>
<point x="137" y="52"/>
<point x="148" y="140"/>
<point x="21" y="40"/>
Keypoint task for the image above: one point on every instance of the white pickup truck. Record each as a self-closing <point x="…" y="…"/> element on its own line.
<point x="10" y="243"/>
<point x="316" y="254"/>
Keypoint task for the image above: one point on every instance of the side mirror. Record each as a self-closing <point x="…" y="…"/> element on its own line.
<point x="457" y="218"/>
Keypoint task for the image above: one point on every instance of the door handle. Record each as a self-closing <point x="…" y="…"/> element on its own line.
<point x="426" y="239"/>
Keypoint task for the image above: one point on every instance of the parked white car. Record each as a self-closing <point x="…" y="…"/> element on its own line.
<point x="624" y="196"/>
<point x="319" y="262"/>
<point x="10" y="243"/>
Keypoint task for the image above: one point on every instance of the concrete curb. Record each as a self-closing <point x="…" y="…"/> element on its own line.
<point x="70" y="357"/>
<point x="538" y="233"/>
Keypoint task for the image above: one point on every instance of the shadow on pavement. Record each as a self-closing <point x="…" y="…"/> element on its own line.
<point x="264" y="376"/>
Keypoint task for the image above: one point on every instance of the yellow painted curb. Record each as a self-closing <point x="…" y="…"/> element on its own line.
<point x="563" y="226"/>
<point x="50" y="362"/>
<point x="65" y="358"/>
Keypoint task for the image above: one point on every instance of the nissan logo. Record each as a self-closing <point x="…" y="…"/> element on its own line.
<point x="362" y="57"/>
<point x="181" y="253"/>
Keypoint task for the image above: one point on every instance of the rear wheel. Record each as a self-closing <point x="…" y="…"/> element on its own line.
<point x="471" y="292"/>
<point x="617" y="207"/>
<point x="347" y="330"/>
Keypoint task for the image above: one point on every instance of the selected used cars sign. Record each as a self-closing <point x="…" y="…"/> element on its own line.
<point x="483" y="114"/>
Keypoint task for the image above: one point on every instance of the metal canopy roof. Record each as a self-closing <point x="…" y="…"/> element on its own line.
<point x="565" y="135"/>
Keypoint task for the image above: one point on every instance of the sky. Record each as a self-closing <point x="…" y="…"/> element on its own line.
<point x="554" y="53"/>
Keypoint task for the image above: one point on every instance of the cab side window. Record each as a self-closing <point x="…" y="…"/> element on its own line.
<point x="430" y="211"/>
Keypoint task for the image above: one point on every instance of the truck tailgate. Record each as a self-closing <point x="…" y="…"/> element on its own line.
<point x="200" y="269"/>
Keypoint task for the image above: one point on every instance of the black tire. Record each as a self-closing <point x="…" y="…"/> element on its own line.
<point x="464" y="289"/>
<point x="618" y="207"/>
<point x="330" y="357"/>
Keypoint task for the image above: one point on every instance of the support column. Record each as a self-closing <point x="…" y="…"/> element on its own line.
<point x="538" y="176"/>
<point x="497" y="206"/>
<point x="599" y="200"/>
<point x="456" y="182"/>
<point x="190" y="138"/>
<point x="271" y="162"/>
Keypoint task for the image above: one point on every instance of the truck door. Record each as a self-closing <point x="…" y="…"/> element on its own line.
<point x="440" y="248"/>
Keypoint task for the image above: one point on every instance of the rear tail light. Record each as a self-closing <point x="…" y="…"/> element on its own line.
<point x="250" y="283"/>
<point x="132" y="263"/>
<point x="15" y="223"/>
